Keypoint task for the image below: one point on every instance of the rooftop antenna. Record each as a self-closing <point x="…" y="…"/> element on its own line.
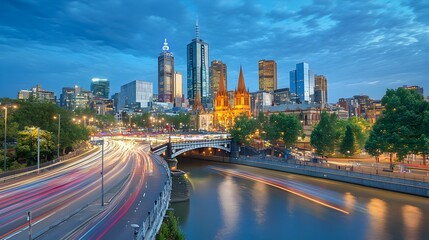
<point x="165" y="48"/>
<point x="197" y="29"/>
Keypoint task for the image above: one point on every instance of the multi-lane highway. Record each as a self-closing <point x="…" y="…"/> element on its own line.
<point x="65" y="202"/>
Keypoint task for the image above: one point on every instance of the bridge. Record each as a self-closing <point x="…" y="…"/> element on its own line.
<point x="174" y="149"/>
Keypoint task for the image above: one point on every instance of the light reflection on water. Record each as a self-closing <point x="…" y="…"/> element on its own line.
<point x="230" y="200"/>
<point x="260" y="201"/>
<point x="224" y="206"/>
<point x="412" y="219"/>
<point x="377" y="216"/>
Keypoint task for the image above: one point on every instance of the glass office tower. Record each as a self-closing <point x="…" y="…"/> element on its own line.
<point x="198" y="71"/>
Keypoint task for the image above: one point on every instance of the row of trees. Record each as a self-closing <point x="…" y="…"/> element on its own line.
<point x="22" y="132"/>
<point x="402" y="129"/>
<point x="345" y="136"/>
<point x="404" y="126"/>
<point x="273" y="128"/>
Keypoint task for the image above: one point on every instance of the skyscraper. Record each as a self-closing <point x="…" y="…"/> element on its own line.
<point x="267" y="75"/>
<point x="178" y="82"/>
<point x="302" y="83"/>
<point x="165" y="74"/>
<point x="198" y="70"/>
<point x="217" y="70"/>
<point x="100" y="87"/>
<point x="178" y="93"/>
<point x="320" y="89"/>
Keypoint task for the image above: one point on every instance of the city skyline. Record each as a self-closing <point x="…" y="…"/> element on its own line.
<point x="361" y="48"/>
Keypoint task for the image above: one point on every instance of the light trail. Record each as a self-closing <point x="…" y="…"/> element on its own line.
<point x="279" y="186"/>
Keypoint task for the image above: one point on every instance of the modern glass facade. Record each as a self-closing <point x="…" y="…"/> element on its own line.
<point x="302" y="83"/>
<point x="100" y="87"/>
<point x="135" y="95"/>
<point x="166" y="75"/>
<point x="198" y="72"/>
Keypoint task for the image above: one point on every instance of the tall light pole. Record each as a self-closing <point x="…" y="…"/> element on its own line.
<point x="58" y="136"/>
<point x="5" y="134"/>
<point x="102" y="172"/>
<point x="5" y="129"/>
<point x="38" y="148"/>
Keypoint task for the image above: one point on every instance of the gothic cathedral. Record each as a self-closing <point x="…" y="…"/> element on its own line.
<point x="224" y="114"/>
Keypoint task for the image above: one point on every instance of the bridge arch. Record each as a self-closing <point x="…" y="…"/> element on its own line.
<point x="175" y="154"/>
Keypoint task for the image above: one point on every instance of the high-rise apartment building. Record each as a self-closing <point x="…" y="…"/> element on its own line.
<point x="198" y="71"/>
<point x="320" y="89"/>
<point x="302" y="83"/>
<point x="100" y="87"/>
<point x="217" y="70"/>
<point x="135" y="95"/>
<point x="267" y="75"/>
<point x="166" y="74"/>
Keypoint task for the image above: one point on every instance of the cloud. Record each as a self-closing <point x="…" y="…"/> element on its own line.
<point x="347" y="41"/>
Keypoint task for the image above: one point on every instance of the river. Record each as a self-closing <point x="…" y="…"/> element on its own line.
<point x="230" y="201"/>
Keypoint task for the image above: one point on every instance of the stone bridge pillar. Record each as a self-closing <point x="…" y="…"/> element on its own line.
<point x="172" y="163"/>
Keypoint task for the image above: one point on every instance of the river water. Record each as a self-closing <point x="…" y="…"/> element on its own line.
<point x="238" y="202"/>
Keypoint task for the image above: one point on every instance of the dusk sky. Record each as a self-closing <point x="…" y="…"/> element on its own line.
<point x="362" y="47"/>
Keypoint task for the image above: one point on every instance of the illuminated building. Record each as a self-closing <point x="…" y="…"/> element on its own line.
<point x="267" y="75"/>
<point x="166" y="75"/>
<point x="37" y="93"/>
<point x="224" y="114"/>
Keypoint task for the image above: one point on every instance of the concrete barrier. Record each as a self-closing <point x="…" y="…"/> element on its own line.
<point x="152" y="223"/>
<point x="419" y="188"/>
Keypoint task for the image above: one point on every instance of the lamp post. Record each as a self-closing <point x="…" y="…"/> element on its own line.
<point x="5" y="129"/>
<point x="38" y="148"/>
<point x="102" y="172"/>
<point x="5" y="134"/>
<point x="58" y="136"/>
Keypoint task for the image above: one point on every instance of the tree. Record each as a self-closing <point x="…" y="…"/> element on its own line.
<point x="325" y="135"/>
<point x="402" y="127"/>
<point x="290" y="128"/>
<point x="242" y="129"/>
<point x="41" y="114"/>
<point x="27" y="145"/>
<point x="271" y="130"/>
<point x="170" y="229"/>
<point x="347" y="146"/>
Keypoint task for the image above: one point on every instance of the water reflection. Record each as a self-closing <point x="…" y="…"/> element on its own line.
<point x="349" y="201"/>
<point x="229" y="198"/>
<point x="260" y="201"/>
<point x="377" y="217"/>
<point x="412" y="217"/>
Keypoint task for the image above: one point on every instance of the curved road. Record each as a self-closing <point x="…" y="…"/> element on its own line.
<point x="65" y="202"/>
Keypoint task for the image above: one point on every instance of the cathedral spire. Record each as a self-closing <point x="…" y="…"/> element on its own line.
<point x="241" y="86"/>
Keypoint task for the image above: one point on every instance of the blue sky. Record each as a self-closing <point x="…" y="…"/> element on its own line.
<point x="362" y="47"/>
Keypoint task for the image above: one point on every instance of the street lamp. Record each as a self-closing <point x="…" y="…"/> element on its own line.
<point x="5" y="132"/>
<point x="84" y="121"/>
<point x="58" y="136"/>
